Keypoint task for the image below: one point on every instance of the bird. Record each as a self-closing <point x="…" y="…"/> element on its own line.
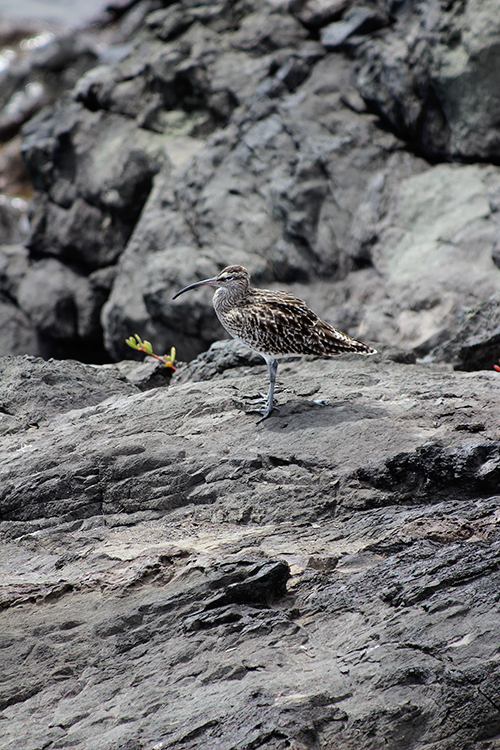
<point x="273" y="324"/>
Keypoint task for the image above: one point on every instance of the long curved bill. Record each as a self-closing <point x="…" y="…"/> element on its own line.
<point x="206" y="282"/>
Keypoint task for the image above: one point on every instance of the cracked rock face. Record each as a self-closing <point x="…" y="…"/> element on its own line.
<point x="176" y="576"/>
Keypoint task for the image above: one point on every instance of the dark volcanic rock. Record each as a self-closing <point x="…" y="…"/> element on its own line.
<point x="176" y="576"/>
<point x="476" y="344"/>
<point x="429" y="237"/>
<point x="276" y="195"/>
<point x="38" y="77"/>
<point x="60" y="303"/>
<point x="51" y="306"/>
<point x="93" y="172"/>
<point x="303" y="185"/>
<point x="433" y="78"/>
<point x="13" y="223"/>
<point x="215" y="133"/>
<point x="32" y="390"/>
<point x="223" y="355"/>
<point x="359" y="20"/>
<point x="18" y="333"/>
<point x="317" y="13"/>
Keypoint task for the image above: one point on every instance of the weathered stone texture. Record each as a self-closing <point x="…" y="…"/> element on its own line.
<point x="175" y="576"/>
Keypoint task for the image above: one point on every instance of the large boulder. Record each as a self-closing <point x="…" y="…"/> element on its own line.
<point x="274" y="191"/>
<point x="476" y="344"/>
<point x="430" y="239"/>
<point x="19" y="335"/>
<point x="92" y="173"/>
<point x="48" y="65"/>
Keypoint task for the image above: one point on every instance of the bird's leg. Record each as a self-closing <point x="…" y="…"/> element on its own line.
<point x="272" y="366"/>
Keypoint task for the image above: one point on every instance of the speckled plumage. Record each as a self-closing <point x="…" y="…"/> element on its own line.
<point x="274" y="324"/>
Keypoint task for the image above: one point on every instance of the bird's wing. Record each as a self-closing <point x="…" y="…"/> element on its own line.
<point x="278" y="323"/>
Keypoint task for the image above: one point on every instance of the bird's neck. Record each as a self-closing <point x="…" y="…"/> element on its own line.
<point x="225" y="299"/>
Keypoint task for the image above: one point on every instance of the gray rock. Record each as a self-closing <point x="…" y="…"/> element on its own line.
<point x="317" y="13"/>
<point x="13" y="178"/>
<point x="18" y="334"/>
<point x="216" y="133"/>
<point x="431" y="245"/>
<point x="222" y="356"/>
<point x="358" y="20"/>
<point x="14" y="265"/>
<point x="145" y="375"/>
<point x="142" y="286"/>
<point x="13" y="222"/>
<point x="62" y="305"/>
<point x="92" y="172"/>
<point x="174" y="575"/>
<point x="264" y="31"/>
<point x="476" y="345"/>
<point x="433" y="79"/>
<point x="33" y="390"/>
<point x="495" y="252"/>
<point x="247" y="196"/>
<point x="40" y="76"/>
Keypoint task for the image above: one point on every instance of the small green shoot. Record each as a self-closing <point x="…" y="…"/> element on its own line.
<point x="146" y="347"/>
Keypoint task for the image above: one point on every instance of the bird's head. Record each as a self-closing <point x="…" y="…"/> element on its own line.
<point x="232" y="278"/>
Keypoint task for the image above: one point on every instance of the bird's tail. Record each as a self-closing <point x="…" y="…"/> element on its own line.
<point x="334" y="341"/>
<point x="361" y="348"/>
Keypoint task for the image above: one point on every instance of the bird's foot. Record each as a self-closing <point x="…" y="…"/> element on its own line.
<point x="265" y="413"/>
<point x="261" y="405"/>
<point x="256" y="397"/>
<point x="265" y="410"/>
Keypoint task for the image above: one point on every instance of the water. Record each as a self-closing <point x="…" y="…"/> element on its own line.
<point x="59" y="12"/>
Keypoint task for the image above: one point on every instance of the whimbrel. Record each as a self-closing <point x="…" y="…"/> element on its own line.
<point x="273" y="324"/>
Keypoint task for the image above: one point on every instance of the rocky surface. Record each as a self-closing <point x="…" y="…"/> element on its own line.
<point x="176" y="576"/>
<point x="346" y="151"/>
<point x="433" y="77"/>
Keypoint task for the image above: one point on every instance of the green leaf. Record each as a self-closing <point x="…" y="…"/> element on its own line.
<point x="131" y="342"/>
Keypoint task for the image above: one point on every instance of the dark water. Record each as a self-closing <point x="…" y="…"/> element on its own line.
<point x="59" y="12"/>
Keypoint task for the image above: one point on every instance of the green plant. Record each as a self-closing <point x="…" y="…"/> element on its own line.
<point x="146" y="347"/>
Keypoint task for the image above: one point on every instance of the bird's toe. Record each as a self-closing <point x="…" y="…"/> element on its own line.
<point x="255" y="396"/>
<point x="264" y="413"/>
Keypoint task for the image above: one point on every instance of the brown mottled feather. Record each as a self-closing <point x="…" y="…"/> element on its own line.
<point x="277" y="324"/>
<point x="273" y="324"/>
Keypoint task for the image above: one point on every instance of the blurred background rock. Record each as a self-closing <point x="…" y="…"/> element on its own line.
<point x="345" y="151"/>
